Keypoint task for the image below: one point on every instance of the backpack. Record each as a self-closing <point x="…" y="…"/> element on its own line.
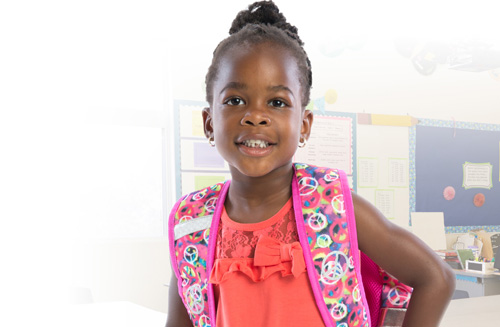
<point x="349" y="288"/>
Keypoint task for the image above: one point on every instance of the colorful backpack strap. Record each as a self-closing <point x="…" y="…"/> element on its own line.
<point x="192" y="249"/>
<point x="327" y="233"/>
<point x="351" y="289"/>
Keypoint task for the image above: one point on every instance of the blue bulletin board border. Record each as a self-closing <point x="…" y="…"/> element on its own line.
<point x="412" y="146"/>
<point x="466" y="229"/>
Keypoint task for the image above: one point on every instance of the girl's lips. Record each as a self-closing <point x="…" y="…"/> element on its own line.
<point x="255" y="151"/>
<point x="254" y="137"/>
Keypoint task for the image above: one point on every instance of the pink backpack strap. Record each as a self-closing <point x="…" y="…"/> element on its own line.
<point x="192" y="246"/>
<point x="327" y="232"/>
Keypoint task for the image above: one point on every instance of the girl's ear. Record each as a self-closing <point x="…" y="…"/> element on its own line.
<point x="307" y="120"/>
<point x="207" y="123"/>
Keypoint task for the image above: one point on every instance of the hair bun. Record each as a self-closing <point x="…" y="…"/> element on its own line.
<point x="263" y="12"/>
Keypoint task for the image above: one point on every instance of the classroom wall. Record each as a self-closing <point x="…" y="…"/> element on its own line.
<point x="363" y="64"/>
<point x="136" y="270"/>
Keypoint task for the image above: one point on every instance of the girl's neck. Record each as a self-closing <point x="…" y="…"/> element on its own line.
<point x="254" y="199"/>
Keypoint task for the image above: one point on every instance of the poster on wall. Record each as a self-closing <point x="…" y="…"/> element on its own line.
<point x="477" y="175"/>
<point x="367" y="172"/>
<point x="198" y="164"/>
<point x="330" y="143"/>
<point x="398" y="172"/>
<point x="384" y="201"/>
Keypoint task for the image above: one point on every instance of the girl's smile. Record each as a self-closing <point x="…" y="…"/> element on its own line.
<point x="257" y="115"/>
<point x="255" y="145"/>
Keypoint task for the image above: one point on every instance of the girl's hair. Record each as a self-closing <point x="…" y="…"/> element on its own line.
<point x="263" y="22"/>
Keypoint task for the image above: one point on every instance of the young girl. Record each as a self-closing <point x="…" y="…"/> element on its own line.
<point x="278" y="244"/>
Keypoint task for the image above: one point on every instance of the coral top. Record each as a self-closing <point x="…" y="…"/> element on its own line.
<point x="259" y="274"/>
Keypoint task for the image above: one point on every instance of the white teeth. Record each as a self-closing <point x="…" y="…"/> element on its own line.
<point x="256" y="143"/>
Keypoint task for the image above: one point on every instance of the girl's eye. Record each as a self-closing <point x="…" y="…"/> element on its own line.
<point x="234" y="102"/>
<point x="277" y="103"/>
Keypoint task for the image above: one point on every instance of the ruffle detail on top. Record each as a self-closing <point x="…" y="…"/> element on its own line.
<point x="271" y="256"/>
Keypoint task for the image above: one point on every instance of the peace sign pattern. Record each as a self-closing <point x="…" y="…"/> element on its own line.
<point x="394" y="293"/>
<point x="191" y="252"/>
<point x="325" y="219"/>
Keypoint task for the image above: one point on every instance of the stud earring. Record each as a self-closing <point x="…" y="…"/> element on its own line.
<point x="302" y="142"/>
<point x="211" y="141"/>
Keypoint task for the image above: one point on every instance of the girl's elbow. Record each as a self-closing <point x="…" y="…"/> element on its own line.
<point x="437" y="277"/>
<point x="445" y="278"/>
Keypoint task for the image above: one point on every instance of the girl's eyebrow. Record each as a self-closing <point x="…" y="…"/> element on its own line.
<point x="277" y="88"/>
<point x="234" y="85"/>
<point x="242" y="86"/>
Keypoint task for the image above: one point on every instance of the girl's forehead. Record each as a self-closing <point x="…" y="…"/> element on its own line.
<point x="264" y="58"/>
<point x="249" y="50"/>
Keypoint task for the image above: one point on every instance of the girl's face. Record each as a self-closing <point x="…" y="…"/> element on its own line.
<point x="257" y="116"/>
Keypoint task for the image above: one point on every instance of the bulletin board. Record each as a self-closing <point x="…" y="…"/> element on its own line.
<point x="434" y="166"/>
<point x="382" y="169"/>
<point x="457" y="173"/>
<point x="197" y="164"/>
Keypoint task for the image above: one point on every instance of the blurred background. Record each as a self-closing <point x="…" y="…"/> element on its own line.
<point x="86" y="118"/>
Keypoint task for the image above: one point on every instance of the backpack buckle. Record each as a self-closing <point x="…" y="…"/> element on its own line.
<point x="391" y="317"/>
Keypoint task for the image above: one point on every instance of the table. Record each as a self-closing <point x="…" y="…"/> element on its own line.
<point x="481" y="311"/>
<point x="477" y="284"/>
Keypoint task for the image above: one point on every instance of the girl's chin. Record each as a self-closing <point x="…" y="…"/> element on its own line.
<point x="259" y="170"/>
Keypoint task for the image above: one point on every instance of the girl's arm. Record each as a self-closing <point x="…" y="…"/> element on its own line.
<point x="177" y="313"/>
<point x="410" y="260"/>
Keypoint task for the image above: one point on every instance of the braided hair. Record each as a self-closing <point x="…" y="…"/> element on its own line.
<point x="263" y="22"/>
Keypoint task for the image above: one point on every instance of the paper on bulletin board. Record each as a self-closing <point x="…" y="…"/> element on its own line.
<point x="199" y="155"/>
<point x="477" y="175"/>
<point x="384" y="201"/>
<point x="192" y="181"/>
<point x="330" y="144"/>
<point x="398" y="172"/>
<point x="367" y="172"/>
<point x="429" y="227"/>
<point x="191" y="121"/>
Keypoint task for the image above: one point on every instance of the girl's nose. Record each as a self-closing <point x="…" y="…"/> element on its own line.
<point x="255" y="118"/>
